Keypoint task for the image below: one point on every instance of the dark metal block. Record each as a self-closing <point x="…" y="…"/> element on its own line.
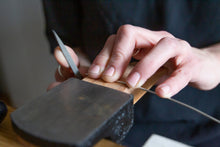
<point x="75" y="113"/>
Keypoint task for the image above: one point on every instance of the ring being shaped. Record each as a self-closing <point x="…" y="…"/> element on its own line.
<point x="59" y="71"/>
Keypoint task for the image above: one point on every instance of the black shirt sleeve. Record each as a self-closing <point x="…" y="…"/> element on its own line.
<point x="63" y="17"/>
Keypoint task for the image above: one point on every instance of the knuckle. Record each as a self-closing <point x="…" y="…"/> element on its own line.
<point x="184" y="73"/>
<point x="101" y="57"/>
<point x="184" y="43"/>
<point x="125" y="30"/>
<point x="118" y="55"/>
<point x="164" y="33"/>
<point x="111" y="37"/>
<point x="184" y="46"/>
<point x="167" y="41"/>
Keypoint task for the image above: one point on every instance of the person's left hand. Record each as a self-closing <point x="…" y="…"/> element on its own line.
<point x="153" y="49"/>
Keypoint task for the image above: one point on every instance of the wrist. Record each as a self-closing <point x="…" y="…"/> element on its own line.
<point x="214" y="53"/>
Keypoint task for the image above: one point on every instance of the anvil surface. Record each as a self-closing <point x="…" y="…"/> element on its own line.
<point x="75" y="113"/>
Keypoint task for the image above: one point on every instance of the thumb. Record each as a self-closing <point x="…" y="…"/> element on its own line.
<point x="58" y="54"/>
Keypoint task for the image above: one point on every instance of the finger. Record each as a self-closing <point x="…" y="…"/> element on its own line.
<point x="101" y="59"/>
<point x="128" y="38"/>
<point x="65" y="70"/>
<point x="165" y="49"/>
<point x="176" y="82"/>
<point x="62" y="60"/>
<point x="121" y="54"/>
<point x="147" y="39"/>
<point x="140" y="53"/>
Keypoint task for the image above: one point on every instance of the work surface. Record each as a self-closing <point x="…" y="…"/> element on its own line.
<point x="7" y="135"/>
<point x="8" y="138"/>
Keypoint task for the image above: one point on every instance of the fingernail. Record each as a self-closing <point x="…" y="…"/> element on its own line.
<point x="165" y="91"/>
<point x="95" y="69"/>
<point x="133" y="80"/>
<point x="110" y="71"/>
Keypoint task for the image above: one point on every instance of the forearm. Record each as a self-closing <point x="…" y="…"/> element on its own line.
<point x="207" y="74"/>
<point x="214" y="51"/>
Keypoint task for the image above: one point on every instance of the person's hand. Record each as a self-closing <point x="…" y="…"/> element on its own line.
<point x="153" y="49"/>
<point x="64" y="71"/>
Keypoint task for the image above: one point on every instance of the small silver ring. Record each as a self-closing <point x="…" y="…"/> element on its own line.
<point x="59" y="71"/>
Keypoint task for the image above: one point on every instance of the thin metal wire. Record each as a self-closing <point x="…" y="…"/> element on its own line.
<point x="181" y="103"/>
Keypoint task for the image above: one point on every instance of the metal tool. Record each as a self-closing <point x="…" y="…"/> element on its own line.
<point x="187" y="106"/>
<point x="68" y="57"/>
<point x="181" y="103"/>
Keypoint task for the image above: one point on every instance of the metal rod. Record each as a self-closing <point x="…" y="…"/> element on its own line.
<point x="181" y="103"/>
<point x="186" y="105"/>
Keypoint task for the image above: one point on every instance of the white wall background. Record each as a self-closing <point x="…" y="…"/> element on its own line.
<point x="26" y="65"/>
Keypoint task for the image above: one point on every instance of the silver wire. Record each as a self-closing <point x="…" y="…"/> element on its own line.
<point x="181" y="103"/>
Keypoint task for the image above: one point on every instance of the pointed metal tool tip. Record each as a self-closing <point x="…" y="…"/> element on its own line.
<point x="54" y="33"/>
<point x="67" y="56"/>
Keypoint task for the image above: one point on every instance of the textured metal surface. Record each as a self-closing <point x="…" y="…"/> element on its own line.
<point x="75" y="113"/>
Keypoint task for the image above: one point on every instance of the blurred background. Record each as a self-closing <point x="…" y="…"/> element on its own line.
<point x="26" y="65"/>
